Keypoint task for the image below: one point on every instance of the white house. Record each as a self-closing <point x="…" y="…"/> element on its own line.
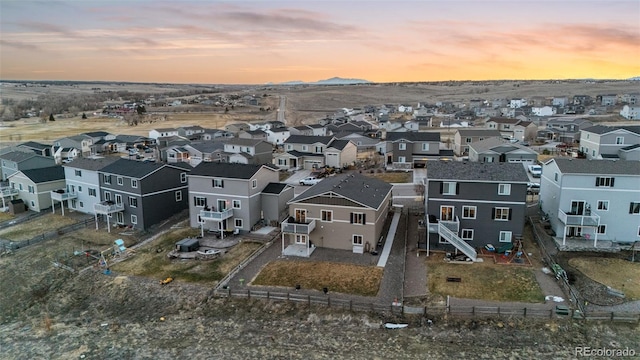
<point x="543" y="110"/>
<point x="630" y="112"/>
<point x="517" y="103"/>
<point x="163" y="132"/>
<point x="278" y="136"/>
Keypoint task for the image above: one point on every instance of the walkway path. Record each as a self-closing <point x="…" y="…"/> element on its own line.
<point x="389" y="241"/>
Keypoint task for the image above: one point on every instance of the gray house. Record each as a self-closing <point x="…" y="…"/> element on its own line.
<point x="464" y="137"/>
<point x="248" y="151"/>
<point x="591" y="203"/>
<point x="140" y="194"/>
<point x="470" y="205"/>
<point x="235" y="197"/>
<point x="496" y="149"/>
<point x="344" y="212"/>
<point x="606" y="142"/>
<point x="14" y="161"/>
<point x="405" y="150"/>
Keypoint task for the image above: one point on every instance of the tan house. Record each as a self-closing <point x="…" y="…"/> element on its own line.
<point x="345" y="212"/>
<point x="465" y="137"/>
<point x="35" y="186"/>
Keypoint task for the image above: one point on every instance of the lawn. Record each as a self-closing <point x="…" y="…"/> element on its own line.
<point x="6" y="216"/>
<point x="151" y="260"/>
<point x="392" y="177"/>
<point x="619" y="274"/>
<point x="337" y="277"/>
<point x="483" y="281"/>
<point x="42" y="224"/>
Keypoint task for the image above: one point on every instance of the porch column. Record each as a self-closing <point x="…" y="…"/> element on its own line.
<point x="108" y="225"/>
<point x="282" y="243"/>
<point x="202" y="229"/>
<point x="595" y="237"/>
<point x="564" y="236"/>
<point x="62" y="206"/>
<point x="53" y="205"/>
<point x="96" y="215"/>
<point x="308" y="246"/>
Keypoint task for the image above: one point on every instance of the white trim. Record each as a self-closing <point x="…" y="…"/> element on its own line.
<point x="505" y="232"/>
<point x="475" y="211"/>
<point x="146" y="194"/>
<point x="477" y="201"/>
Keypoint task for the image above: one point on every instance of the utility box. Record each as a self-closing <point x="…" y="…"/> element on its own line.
<point x="187" y="245"/>
<point x="17" y="206"/>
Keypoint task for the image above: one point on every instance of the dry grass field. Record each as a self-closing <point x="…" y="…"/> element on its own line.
<point x="337" y="277"/>
<point x="486" y="281"/>
<point x="37" y="226"/>
<point x="619" y="274"/>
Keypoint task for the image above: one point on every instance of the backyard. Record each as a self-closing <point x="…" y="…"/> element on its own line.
<point x="336" y="277"/>
<point x="488" y="281"/>
<point x="619" y="274"/>
<point x="34" y="227"/>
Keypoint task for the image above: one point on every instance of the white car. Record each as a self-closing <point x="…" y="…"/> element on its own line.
<point x="535" y="170"/>
<point x="311" y="180"/>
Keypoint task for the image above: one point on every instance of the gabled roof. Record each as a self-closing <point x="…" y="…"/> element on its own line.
<point x="244" y="142"/>
<point x="597" y="167"/>
<point x="97" y="133"/>
<point x="499" y="145"/>
<point x="479" y="132"/>
<point x="361" y="189"/>
<point x="43" y="175"/>
<point x="91" y="164"/>
<point x="166" y="130"/>
<point x="296" y="153"/>
<point x="227" y="170"/>
<point x="274" y="188"/>
<point x="339" y="144"/>
<point x="256" y="132"/>
<point x="209" y="146"/>
<point x="18" y="156"/>
<point x="602" y="129"/>
<point x="131" y="168"/>
<point x="502" y="120"/>
<point x="476" y="171"/>
<point x="413" y="136"/>
<point x="308" y="139"/>
<point x="131" y="138"/>
<point x="631" y="147"/>
<point x="279" y="130"/>
<point x="34" y="145"/>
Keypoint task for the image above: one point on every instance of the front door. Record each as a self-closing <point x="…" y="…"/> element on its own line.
<point x="301" y="239"/>
<point x="301" y="216"/>
<point x="574" y="231"/>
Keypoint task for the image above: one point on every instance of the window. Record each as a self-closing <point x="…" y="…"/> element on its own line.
<point x="402" y="159"/>
<point x="134" y="219"/>
<point x="502" y="213"/>
<point x="505" y="236"/>
<point x="357" y="239"/>
<point x="358" y="218"/>
<point x="81" y="204"/>
<point x="133" y="202"/>
<point x="218" y="183"/>
<point x="120" y="180"/>
<point x="78" y="173"/>
<point x="178" y="195"/>
<point x="200" y="201"/>
<point x="80" y="189"/>
<point x="402" y="146"/>
<point x="134" y="183"/>
<point x="107" y="179"/>
<point x="619" y="140"/>
<point x="31" y="189"/>
<point x="236" y="204"/>
<point x="254" y="183"/>
<point x="425" y="146"/>
<point x="20" y="187"/>
<point x="326" y="215"/>
<point x="446" y="213"/>
<point x="33" y="204"/>
<point x="604" y="181"/>
<point x="468" y="140"/>
<point x="304" y="148"/>
<point x="468" y="212"/>
<point x="107" y="196"/>
<point x="289" y="147"/>
<point x="603" y="205"/>
<point x="555" y="177"/>
<point x="634" y="208"/>
<point x="602" y="229"/>
<point x="466" y="234"/>
<point x="92" y="192"/>
<point x="504" y="189"/>
<point x="448" y="188"/>
<point x="183" y="178"/>
<point x="238" y="223"/>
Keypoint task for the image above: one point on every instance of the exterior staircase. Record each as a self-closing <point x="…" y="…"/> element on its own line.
<point x="444" y="230"/>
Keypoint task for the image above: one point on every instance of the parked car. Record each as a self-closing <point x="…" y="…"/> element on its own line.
<point x="535" y="170"/>
<point x="533" y="188"/>
<point x="310" y="180"/>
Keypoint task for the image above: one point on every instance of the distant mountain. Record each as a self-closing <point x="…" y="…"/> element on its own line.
<point x="634" y="78"/>
<point x="332" y="81"/>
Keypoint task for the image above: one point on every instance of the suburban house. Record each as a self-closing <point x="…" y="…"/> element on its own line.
<point x="35" y="185"/>
<point x="303" y="152"/>
<point x="630" y="112"/>
<point x="248" y="151"/>
<point x="81" y="189"/>
<point x="82" y="142"/>
<point x="464" y="137"/>
<point x="176" y="154"/>
<point x="543" y="110"/>
<point x="363" y="142"/>
<point x="606" y="142"/>
<point x="257" y="134"/>
<point x="236" y="197"/>
<point x="163" y="132"/>
<point x="191" y="132"/>
<point x="206" y="151"/>
<point x="305" y="130"/>
<point x="140" y="194"/>
<point x="340" y="153"/>
<point x="607" y="100"/>
<point x="18" y="160"/>
<point x="591" y="203"/>
<point x="278" y="136"/>
<point x="344" y="212"/>
<point x="36" y="147"/>
<point x="496" y="149"/>
<point x="566" y="130"/>
<point x="513" y="128"/>
<point x="405" y="150"/>
<point x="470" y="205"/>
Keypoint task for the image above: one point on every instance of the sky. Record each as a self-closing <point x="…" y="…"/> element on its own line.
<point x="256" y="42"/>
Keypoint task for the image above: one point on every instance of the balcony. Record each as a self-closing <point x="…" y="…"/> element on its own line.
<point x="435" y="223"/>
<point x="8" y="192"/>
<point x="292" y="227"/>
<point x="61" y="195"/>
<point x="216" y="215"/>
<point x="108" y="207"/>
<point x="569" y="219"/>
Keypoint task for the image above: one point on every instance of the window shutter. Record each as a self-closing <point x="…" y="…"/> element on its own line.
<point x="205" y="202"/>
<point x="612" y="179"/>
<point x="457" y="188"/>
<point x="630" y="208"/>
<point x="351" y="215"/>
<point x="493" y="213"/>
<point x="597" y="181"/>
<point x="194" y="201"/>
<point x="441" y="187"/>
<point x="509" y="214"/>
<point x="364" y="219"/>
<point x="221" y="183"/>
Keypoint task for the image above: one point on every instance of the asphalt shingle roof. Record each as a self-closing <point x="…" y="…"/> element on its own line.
<point x="361" y="189"/>
<point x="413" y="136"/>
<point x="308" y="139"/>
<point x="479" y="132"/>
<point x="91" y="164"/>
<point x="131" y="168"/>
<point x="476" y="171"/>
<point x="226" y="170"/>
<point x="18" y="156"/>
<point x="339" y="144"/>
<point x="598" y="167"/>
<point x="34" y="145"/>
<point x="47" y="174"/>
<point x="274" y="188"/>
